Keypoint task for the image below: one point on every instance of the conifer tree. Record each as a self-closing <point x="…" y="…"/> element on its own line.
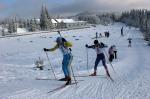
<point x="45" y="20"/>
<point x="32" y="25"/>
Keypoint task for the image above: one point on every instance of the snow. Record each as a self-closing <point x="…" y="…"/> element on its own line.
<point x="65" y="20"/>
<point x="18" y="54"/>
<point x="53" y="21"/>
<point x="21" y="30"/>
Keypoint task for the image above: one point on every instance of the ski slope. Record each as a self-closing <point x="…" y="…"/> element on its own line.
<point x="131" y="80"/>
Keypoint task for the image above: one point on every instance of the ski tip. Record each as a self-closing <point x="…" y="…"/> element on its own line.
<point x="63" y="86"/>
<point x="72" y="83"/>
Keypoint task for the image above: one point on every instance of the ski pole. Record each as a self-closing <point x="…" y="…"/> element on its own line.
<point x="72" y="68"/>
<point x="40" y="53"/>
<point x="87" y="54"/>
<point x="59" y="33"/>
<point x="110" y="63"/>
<point x="50" y="65"/>
<point x="74" y="75"/>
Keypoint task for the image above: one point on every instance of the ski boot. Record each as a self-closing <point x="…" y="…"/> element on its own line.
<point x="68" y="81"/>
<point x="63" y="79"/>
<point x="94" y="74"/>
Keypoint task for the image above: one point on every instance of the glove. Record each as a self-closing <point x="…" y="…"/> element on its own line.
<point x="86" y="46"/>
<point x="70" y="49"/>
<point x="64" y="40"/>
<point x="45" y="49"/>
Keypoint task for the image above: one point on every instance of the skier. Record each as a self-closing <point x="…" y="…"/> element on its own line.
<point x="122" y="31"/>
<point x="96" y="35"/>
<point x="111" y="54"/>
<point x="108" y="34"/>
<point x="115" y="51"/>
<point x="105" y="34"/>
<point x="100" y="56"/>
<point x="129" y="40"/>
<point x="100" y="35"/>
<point x="64" y="45"/>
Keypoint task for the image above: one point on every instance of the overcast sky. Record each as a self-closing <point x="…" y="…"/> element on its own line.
<point x="32" y="8"/>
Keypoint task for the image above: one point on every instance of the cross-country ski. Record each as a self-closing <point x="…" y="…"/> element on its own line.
<point x="61" y="87"/>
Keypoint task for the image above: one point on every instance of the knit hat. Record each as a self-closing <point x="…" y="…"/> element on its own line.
<point x="59" y="39"/>
<point x="95" y="41"/>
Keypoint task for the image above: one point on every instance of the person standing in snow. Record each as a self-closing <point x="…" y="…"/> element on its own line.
<point x="100" y="56"/>
<point x="100" y="35"/>
<point x="64" y="45"/>
<point x="111" y="54"/>
<point x="105" y="34"/>
<point x="96" y="35"/>
<point x="122" y="31"/>
<point x="108" y="34"/>
<point x="129" y="41"/>
<point x="115" y="51"/>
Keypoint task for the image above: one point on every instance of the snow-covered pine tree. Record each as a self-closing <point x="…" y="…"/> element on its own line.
<point x="140" y="19"/>
<point x="14" y="24"/>
<point x="50" y="25"/>
<point x="21" y="23"/>
<point x="25" y="24"/>
<point x="147" y="31"/>
<point x="45" y="20"/>
<point x="28" y="25"/>
<point x="32" y="25"/>
<point x="3" y="32"/>
<point x="10" y="27"/>
<point x="37" y="25"/>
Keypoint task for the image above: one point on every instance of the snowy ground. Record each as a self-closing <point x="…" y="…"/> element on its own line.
<point x="18" y="76"/>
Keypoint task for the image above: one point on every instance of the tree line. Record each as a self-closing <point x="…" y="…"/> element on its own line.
<point x="30" y="24"/>
<point x="138" y="18"/>
<point x="97" y="18"/>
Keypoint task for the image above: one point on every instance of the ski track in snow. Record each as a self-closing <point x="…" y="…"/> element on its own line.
<point x="131" y="80"/>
